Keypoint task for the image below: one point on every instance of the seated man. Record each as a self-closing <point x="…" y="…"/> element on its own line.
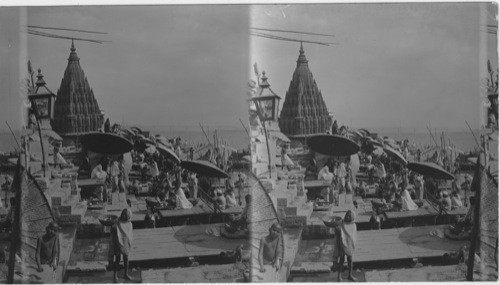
<point x="47" y="248"/>
<point x="311" y="170"/>
<point x="231" y="198"/>
<point x="150" y="219"/>
<point x="220" y="200"/>
<point x="98" y="173"/>
<point x="181" y="202"/>
<point x="465" y="224"/>
<point x="380" y="172"/>
<point x="270" y="249"/>
<point x="446" y="201"/>
<point x="134" y="188"/>
<point x="375" y="221"/>
<point x="241" y="222"/>
<point x="324" y="174"/>
<point x="456" y="201"/>
<point x="407" y="203"/>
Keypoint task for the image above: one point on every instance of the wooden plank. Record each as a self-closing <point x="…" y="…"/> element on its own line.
<point x="312" y="184"/>
<point x="180" y="241"/>
<point x="90" y="182"/>
<point x="227" y="273"/>
<point x="424" y="274"/>
<point x="195" y="229"/>
<point x="387" y="244"/>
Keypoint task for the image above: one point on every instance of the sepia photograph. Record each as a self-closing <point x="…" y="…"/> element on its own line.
<point x="235" y="143"/>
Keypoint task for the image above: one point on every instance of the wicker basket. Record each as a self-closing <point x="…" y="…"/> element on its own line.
<point x="108" y="220"/>
<point x="332" y="221"/>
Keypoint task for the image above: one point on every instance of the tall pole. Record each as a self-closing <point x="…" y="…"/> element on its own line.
<point x="35" y="107"/>
<point x="245" y="128"/>
<point x="477" y="142"/>
<point x="13" y="135"/>
<point x="204" y="133"/>
<point x="432" y="136"/>
<point x="268" y="150"/>
<point x="477" y="206"/>
<point x="16" y="227"/>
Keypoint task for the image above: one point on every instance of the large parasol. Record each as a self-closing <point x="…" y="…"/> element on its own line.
<point x="106" y="143"/>
<point x="375" y="142"/>
<point x="430" y="169"/>
<point x="365" y="132"/>
<point x="203" y="167"/>
<point x="264" y="215"/>
<point x="333" y="145"/>
<point x="147" y="141"/>
<point x="356" y="134"/>
<point x="168" y="153"/>
<point x="395" y="154"/>
<point x="136" y="130"/>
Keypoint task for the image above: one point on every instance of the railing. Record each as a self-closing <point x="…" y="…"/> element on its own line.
<point x="209" y="201"/>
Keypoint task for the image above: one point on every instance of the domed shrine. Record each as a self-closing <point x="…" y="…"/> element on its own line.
<point x="304" y="112"/>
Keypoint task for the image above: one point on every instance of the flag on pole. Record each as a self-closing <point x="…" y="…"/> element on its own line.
<point x="256" y="70"/>
<point x="30" y="69"/>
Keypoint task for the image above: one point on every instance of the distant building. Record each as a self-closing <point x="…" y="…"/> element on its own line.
<point x="304" y="112"/>
<point x="76" y="110"/>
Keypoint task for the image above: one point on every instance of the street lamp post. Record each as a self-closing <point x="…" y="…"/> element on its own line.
<point x="267" y="110"/>
<point x="43" y="108"/>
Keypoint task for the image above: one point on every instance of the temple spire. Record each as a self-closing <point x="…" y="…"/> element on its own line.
<point x="76" y="110"/>
<point x="73" y="56"/>
<point x="302" y="57"/>
<point x="304" y="111"/>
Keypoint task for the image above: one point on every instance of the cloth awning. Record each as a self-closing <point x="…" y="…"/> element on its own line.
<point x="430" y="169"/>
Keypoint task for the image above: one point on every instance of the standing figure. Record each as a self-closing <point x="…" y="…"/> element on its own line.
<point x="191" y="153"/>
<point x="335" y="128"/>
<point x="344" y="243"/>
<point x="121" y="243"/>
<point x="114" y="173"/>
<point x="48" y="248"/>
<point x="283" y="157"/>
<point x="270" y="249"/>
<point x="193" y="185"/>
<point x="107" y="126"/>
<point x="341" y="175"/>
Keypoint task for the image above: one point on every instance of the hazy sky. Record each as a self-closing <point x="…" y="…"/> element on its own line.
<point x="166" y="65"/>
<point x="395" y="65"/>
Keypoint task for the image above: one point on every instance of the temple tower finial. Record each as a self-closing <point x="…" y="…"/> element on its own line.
<point x="302" y="57"/>
<point x="73" y="56"/>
